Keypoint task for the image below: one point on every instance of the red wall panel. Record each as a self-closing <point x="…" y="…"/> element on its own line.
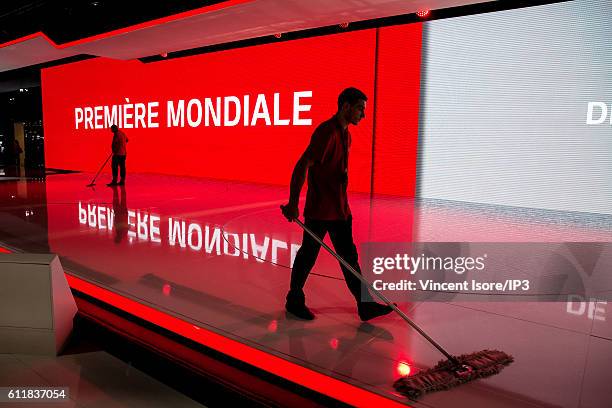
<point x="397" y="109"/>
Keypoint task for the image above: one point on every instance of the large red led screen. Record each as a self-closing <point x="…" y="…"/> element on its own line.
<point x="245" y="114"/>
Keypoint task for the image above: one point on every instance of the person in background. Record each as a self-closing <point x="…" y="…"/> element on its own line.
<point x="119" y="149"/>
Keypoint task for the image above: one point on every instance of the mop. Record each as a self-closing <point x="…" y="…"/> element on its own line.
<point x="453" y="371"/>
<point x="93" y="182"/>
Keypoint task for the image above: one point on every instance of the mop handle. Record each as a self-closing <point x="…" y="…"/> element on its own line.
<point x="380" y="295"/>
<point x="101" y="167"/>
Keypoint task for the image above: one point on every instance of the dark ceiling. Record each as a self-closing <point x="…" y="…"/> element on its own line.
<point x="68" y="20"/>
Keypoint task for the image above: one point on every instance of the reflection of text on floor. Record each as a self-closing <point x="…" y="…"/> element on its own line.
<point x="144" y="226"/>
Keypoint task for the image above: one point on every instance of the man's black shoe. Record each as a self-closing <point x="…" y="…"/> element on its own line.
<point x="299" y="311"/>
<point x="112" y="183"/>
<point x="368" y="311"/>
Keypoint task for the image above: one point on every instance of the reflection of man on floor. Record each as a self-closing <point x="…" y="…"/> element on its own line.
<point x="120" y="211"/>
<point x="119" y="148"/>
<point x="327" y="209"/>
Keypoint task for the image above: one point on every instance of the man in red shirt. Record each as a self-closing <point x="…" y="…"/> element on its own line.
<point x="119" y="148"/>
<point x="327" y="209"/>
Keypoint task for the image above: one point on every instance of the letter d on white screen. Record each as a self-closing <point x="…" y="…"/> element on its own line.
<point x="602" y="117"/>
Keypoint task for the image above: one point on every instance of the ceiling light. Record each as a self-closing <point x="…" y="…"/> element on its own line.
<point x="403" y="369"/>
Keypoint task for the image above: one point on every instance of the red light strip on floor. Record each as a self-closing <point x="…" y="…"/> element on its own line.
<point x="306" y="377"/>
<point x="140" y="26"/>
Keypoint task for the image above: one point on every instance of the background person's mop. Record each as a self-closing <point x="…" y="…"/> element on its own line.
<point x="93" y="182"/>
<point x="453" y="371"/>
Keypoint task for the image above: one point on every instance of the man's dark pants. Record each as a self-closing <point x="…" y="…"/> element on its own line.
<point x="118" y="163"/>
<point x="341" y="234"/>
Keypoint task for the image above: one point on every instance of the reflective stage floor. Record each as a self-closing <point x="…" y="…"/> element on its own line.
<point x="211" y="260"/>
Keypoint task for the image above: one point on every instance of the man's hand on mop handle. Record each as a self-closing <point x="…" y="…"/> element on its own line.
<point x="291" y="212"/>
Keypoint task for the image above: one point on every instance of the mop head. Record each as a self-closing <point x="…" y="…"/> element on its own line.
<point x="445" y="374"/>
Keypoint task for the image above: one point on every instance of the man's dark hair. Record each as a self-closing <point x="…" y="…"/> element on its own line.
<point x="114" y="128"/>
<point x="351" y="96"/>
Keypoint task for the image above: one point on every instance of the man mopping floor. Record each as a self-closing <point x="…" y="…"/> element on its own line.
<point x="327" y="209"/>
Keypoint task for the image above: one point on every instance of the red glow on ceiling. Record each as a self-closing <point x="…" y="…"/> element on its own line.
<point x="333" y="343"/>
<point x="166" y="289"/>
